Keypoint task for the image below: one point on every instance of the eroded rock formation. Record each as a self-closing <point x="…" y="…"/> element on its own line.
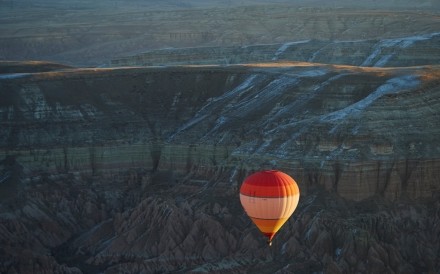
<point x="415" y="50"/>
<point x="138" y="169"/>
<point x="51" y="31"/>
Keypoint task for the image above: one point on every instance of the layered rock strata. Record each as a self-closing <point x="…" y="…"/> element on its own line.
<point x="138" y="169"/>
<point x="357" y="131"/>
<point x="415" y="50"/>
<point x="85" y="33"/>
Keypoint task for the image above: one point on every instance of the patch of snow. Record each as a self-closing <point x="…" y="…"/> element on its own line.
<point x="233" y="177"/>
<point x="5" y="176"/>
<point x="377" y="50"/>
<point x="7" y="113"/>
<point x="247" y="148"/>
<point x="245" y="85"/>
<point x="283" y="150"/>
<point x="268" y="94"/>
<point x="67" y="112"/>
<point x="265" y="145"/>
<point x="392" y="86"/>
<point x="176" y="99"/>
<point x="401" y="43"/>
<point x="388" y="43"/>
<point x="285" y="46"/>
<point x="383" y="60"/>
<point x="216" y="102"/>
<point x="355" y="130"/>
<point x="218" y="123"/>
<point x="89" y="110"/>
<point x="409" y="41"/>
<point x="312" y="72"/>
<point x="290" y="111"/>
<point x="35" y="105"/>
<point x="338" y="252"/>
<point x="192" y="122"/>
<point x="13" y="75"/>
<point x="313" y="57"/>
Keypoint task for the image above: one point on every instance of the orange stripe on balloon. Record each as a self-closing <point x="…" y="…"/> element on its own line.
<point x="269" y="226"/>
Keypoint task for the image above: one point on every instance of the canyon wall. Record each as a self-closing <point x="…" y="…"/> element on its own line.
<point x="96" y="33"/>
<point x="414" y="50"/>
<point x="138" y="169"/>
<point x="346" y="128"/>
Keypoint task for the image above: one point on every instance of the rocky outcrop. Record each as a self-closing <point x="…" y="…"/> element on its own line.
<point x="138" y="169"/>
<point x="110" y="30"/>
<point x="326" y="124"/>
<point x="148" y="224"/>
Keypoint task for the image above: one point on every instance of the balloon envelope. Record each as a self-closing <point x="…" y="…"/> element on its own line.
<point x="269" y="198"/>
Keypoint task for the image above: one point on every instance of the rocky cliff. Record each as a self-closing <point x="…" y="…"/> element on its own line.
<point x="138" y="169"/>
<point x="415" y="50"/>
<point x="88" y="33"/>
<point x="324" y="122"/>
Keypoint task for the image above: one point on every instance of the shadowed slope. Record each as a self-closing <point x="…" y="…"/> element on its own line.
<point x="319" y="120"/>
<point x="138" y="169"/>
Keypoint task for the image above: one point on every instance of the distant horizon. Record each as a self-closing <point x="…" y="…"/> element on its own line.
<point x="195" y="4"/>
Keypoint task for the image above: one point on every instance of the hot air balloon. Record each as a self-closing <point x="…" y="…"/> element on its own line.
<point x="269" y="198"/>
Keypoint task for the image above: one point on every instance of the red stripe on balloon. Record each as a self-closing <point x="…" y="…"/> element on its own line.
<point x="269" y="184"/>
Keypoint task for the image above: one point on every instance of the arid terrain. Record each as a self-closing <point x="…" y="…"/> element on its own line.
<point x="84" y="34"/>
<point x="126" y="134"/>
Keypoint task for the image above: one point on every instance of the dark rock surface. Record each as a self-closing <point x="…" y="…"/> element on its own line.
<point x="326" y="124"/>
<point x="137" y="169"/>
<point x="69" y="225"/>
<point x="91" y="33"/>
<point x="414" y="50"/>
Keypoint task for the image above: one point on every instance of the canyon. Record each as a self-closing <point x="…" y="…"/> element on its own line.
<point x="87" y="34"/>
<point x="123" y="149"/>
<point x="139" y="168"/>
